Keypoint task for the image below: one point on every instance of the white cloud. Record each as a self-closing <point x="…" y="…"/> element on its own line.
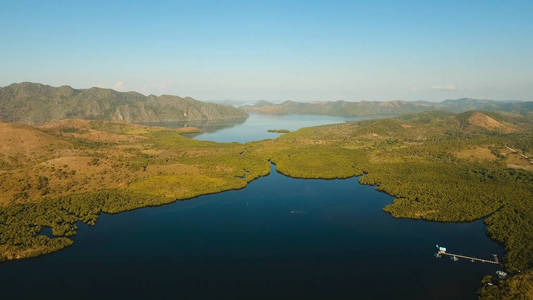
<point x="119" y="86"/>
<point x="444" y="88"/>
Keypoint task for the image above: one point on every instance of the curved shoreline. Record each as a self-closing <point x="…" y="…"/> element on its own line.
<point x="426" y="181"/>
<point x="273" y="166"/>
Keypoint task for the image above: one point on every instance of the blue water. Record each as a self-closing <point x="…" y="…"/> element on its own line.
<point x="257" y="125"/>
<point x="278" y="238"/>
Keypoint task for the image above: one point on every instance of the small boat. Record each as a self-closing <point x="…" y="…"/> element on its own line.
<point x="454" y="258"/>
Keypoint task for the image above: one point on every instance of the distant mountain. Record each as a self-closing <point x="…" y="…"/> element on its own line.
<point x="388" y="108"/>
<point x="34" y="103"/>
<point x="466" y="104"/>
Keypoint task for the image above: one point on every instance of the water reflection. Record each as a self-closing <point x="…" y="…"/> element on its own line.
<point x="207" y="126"/>
<point x="256" y="126"/>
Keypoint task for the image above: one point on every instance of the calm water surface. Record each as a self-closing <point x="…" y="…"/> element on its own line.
<point x="278" y="238"/>
<point x="256" y="126"/>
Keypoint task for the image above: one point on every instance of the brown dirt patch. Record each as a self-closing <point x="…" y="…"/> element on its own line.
<point x="476" y="153"/>
<point x="516" y="161"/>
<point x="24" y="141"/>
<point x="478" y="119"/>
<point x="83" y="129"/>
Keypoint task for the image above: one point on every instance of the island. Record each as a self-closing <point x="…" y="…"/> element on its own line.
<point x="279" y="130"/>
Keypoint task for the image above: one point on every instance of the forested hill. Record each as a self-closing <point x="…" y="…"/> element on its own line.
<point x="34" y="103"/>
<point x="389" y="108"/>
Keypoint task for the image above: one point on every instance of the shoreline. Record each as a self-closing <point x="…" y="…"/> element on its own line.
<point x="273" y="166"/>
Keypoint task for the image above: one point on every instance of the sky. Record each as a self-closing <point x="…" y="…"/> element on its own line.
<point x="274" y="50"/>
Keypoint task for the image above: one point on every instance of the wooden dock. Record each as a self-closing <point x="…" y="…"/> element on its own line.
<point x="472" y="259"/>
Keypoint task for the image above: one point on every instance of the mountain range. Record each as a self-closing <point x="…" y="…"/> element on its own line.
<point x="34" y="103"/>
<point x="388" y="108"/>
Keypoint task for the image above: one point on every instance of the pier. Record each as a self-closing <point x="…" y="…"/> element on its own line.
<point x="442" y="251"/>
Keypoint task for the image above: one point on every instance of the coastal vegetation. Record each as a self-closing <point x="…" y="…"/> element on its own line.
<point x="519" y="286"/>
<point x="439" y="166"/>
<point x="72" y="170"/>
<point x="417" y="158"/>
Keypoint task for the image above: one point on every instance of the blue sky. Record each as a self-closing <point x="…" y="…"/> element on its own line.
<point x="274" y="50"/>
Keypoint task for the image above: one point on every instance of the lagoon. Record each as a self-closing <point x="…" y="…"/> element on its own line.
<point x="279" y="237"/>
<point x="255" y="127"/>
